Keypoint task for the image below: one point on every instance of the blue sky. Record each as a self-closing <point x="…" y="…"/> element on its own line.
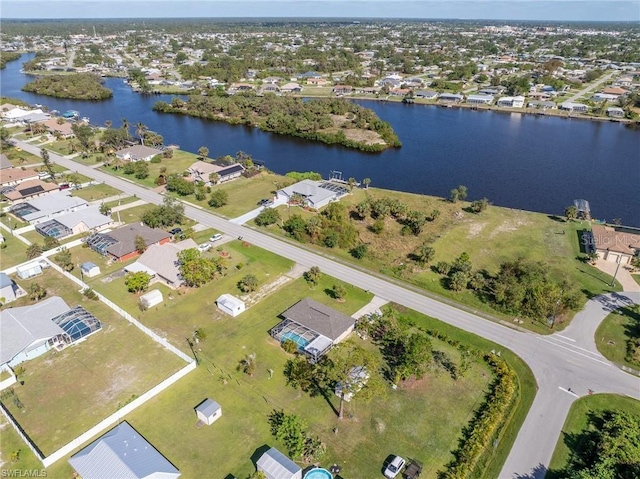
<point x="572" y="10"/>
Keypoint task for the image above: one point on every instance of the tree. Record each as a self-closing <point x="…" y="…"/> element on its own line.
<point x="105" y="209"/>
<point x="214" y="178"/>
<point x="47" y="163"/>
<point x="36" y="292"/>
<point x="343" y="360"/>
<point x="413" y="356"/>
<point x="203" y="152"/>
<point x="366" y="182"/>
<point x="424" y="254"/>
<point x="248" y="364"/>
<point x="64" y="260"/>
<point x="33" y="251"/>
<point x="478" y="206"/>
<point x="248" y="283"/>
<point x="141" y="130"/>
<point x="197" y="270"/>
<point x="339" y="292"/>
<point x="571" y="212"/>
<point x="50" y="242"/>
<point x="137" y="282"/>
<point x="267" y="216"/>
<point x="83" y="133"/>
<point x="359" y="251"/>
<point x="352" y="182"/>
<point x="218" y="198"/>
<point x="288" y="429"/>
<point x="458" y="280"/>
<point x="458" y="194"/>
<point x="313" y="276"/>
<point x="169" y="213"/>
<point x="140" y="243"/>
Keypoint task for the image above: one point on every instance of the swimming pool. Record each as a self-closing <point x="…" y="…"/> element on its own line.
<point x="318" y="474"/>
<point x="299" y="340"/>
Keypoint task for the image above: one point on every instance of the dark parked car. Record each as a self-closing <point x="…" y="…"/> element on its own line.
<point x="175" y="231"/>
<point x="265" y="202"/>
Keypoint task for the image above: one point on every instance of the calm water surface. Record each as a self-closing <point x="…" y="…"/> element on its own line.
<point x="525" y="162"/>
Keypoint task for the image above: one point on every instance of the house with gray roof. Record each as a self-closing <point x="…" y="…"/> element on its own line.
<point x="80" y="221"/>
<point x="161" y="262"/>
<point x="41" y="209"/>
<point x="28" y="331"/>
<point x="122" y="453"/>
<point x="9" y="290"/>
<point x="314" y="327"/>
<point x="120" y="243"/>
<point x="137" y="153"/>
<point x="315" y="194"/>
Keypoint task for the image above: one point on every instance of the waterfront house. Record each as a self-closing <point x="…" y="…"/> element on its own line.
<point x="426" y="94"/>
<point x="137" y="153"/>
<point x="291" y="88"/>
<point x="511" y="101"/>
<point x="480" y="99"/>
<point x="613" y="245"/>
<point x="543" y="105"/>
<point x="315" y="194"/>
<point x="61" y="129"/>
<point x="574" y="107"/>
<point x="450" y="97"/>
<point x="342" y="90"/>
<point x="615" y="112"/>
<point x="201" y="170"/>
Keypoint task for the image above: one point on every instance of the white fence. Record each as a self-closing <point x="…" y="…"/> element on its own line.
<point x="118" y="415"/>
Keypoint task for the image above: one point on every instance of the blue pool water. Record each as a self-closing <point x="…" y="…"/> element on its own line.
<point x="318" y="474"/>
<point x="299" y="340"/>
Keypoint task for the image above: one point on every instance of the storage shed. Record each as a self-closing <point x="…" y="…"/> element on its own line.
<point x="276" y="465"/>
<point x="90" y="269"/>
<point x="208" y="412"/>
<point x="230" y="304"/>
<point x="151" y="298"/>
<point x="29" y="270"/>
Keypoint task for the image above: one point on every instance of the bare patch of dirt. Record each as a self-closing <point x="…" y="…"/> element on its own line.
<point x="267" y="289"/>
<point x="122" y="377"/>
<point x="412" y="384"/>
<point x="509" y="226"/>
<point x="475" y="229"/>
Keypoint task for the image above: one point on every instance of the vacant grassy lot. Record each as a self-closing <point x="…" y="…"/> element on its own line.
<point x="20" y="158"/>
<point x="490" y="238"/>
<point x="14" y="253"/>
<point x="577" y="421"/>
<point x="12" y="444"/>
<point x="11" y="221"/>
<point x="95" y="192"/>
<point x="66" y="392"/>
<point x="132" y="215"/>
<point x="614" y="332"/>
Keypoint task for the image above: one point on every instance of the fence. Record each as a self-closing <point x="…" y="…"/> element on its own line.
<point x="21" y="433"/>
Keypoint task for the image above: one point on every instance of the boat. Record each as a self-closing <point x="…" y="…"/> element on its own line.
<point x="70" y="114"/>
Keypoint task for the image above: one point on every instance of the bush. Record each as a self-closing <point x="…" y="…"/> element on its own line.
<point x="359" y="251"/>
<point x="248" y="284"/>
<point x="90" y="294"/>
<point x="378" y="226"/>
<point x="479" y="206"/>
<point x="289" y="346"/>
<point x="267" y="216"/>
<point x="156" y="159"/>
<point x="218" y="198"/>
<point x="442" y="267"/>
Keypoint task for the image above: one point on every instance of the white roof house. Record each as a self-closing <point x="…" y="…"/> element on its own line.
<point x="161" y="262"/>
<point x="315" y="193"/>
<point x="76" y="222"/>
<point x="276" y="465"/>
<point x="480" y="99"/>
<point x="124" y="454"/>
<point x="9" y="290"/>
<point x="138" y="153"/>
<point x="50" y="206"/>
<point x="208" y="411"/>
<point x="511" y="101"/>
<point x="230" y="304"/>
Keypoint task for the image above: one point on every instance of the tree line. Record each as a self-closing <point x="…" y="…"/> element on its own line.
<point x="81" y="86"/>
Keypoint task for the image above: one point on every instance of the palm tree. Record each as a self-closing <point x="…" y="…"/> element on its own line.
<point x="141" y="129"/>
<point x="366" y="182"/>
<point x="203" y="152"/>
<point x="125" y="126"/>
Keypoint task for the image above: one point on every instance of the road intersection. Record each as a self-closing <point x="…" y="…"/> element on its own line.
<point x="566" y="366"/>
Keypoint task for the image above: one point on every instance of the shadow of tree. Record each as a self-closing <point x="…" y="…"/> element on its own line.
<point x="538" y="472"/>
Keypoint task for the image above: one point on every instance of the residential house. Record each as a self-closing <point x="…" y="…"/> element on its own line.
<point x="10" y="176"/>
<point x="63" y="129"/>
<point x="137" y="153"/>
<point x="120" y="244"/>
<point x="39" y="210"/>
<point x="201" y="170"/>
<point x="604" y="97"/>
<point x="122" y="453"/>
<point x="28" y="191"/>
<point x="614" y="245"/>
<point x="30" y="331"/>
<point x="480" y="99"/>
<point x="161" y="262"/>
<point x="310" y="74"/>
<point x="426" y="94"/>
<point x="450" y="97"/>
<point x="615" y="91"/>
<point x="342" y="90"/>
<point x="543" y="105"/>
<point x="399" y="92"/>
<point x="80" y="221"/>
<point x="291" y="88"/>
<point x="315" y="194"/>
<point x="615" y="112"/>
<point x="9" y="290"/>
<point x="511" y="101"/>
<point x="270" y="88"/>
<point x="240" y="87"/>
<point x="317" y="81"/>
<point x="314" y="327"/>
<point x="574" y="107"/>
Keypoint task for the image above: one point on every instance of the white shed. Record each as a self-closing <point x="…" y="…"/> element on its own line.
<point x="276" y="465"/>
<point x="151" y="298"/>
<point x="230" y="304"/>
<point x="29" y="270"/>
<point x="90" y="269"/>
<point x="208" y="412"/>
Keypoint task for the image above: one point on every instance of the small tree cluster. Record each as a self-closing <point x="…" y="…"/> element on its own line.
<point x="248" y="283"/>
<point x="290" y="430"/>
<point x="169" y="213"/>
<point x="64" y="260"/>
<point x="458" y="194"/>
<point x="267" y="216"/>
<point x="139" y="169"/>
<point x="312" y="277"/>
<point x="137" y="282"/>
<point x="218" y="198"/>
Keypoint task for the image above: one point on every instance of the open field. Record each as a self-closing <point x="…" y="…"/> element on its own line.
<point x="20" y="158"/>
<point x="14" y="253"/>
<point x="66" y="392"/>
<point x="95" y="192"/>
<point x="132" y="215"/>
<point x="577" y="422"/>
<point x="490" y="238"/>
<point x="614" y="332"/>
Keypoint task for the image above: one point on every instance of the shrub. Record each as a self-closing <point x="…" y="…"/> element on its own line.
<point x="378" y="226"/>
<point x="33" y="251"/>
<point x="90" y="294"/>
<point x="218" y="198"/>
<point x="156" y="159"/>
<point x="267" y="216"/>
<point x="359" y="251"/>
<point x="289" y="346"/>
<point x="248" y="284"/>
<point x="442" y="267"/>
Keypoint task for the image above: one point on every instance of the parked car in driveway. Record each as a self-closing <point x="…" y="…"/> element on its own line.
<point x="394" y="467"/>
<point x="266" y="202"/>
<point x="204" y="247"/>
<point x="175" y="231"/>
<point x="215" y="237"/>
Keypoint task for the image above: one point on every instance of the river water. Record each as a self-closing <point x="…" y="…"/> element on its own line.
<point x="520" y="161"/>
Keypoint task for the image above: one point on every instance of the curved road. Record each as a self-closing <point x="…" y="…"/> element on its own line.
<point x="565" y="365"/>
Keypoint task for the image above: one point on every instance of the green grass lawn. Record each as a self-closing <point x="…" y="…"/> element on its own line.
<point x="12" y="221"/>
<point x="33" y="236"/>
<point x="577" y="421"/>
<point x="131" y="215"/>
<point x="14" y="252"/>
<point x="66" y="392"/>
<point x="614" y="332"/>
<point x="95" y="192"/>
<point x="494" y="236"/>
<point x="20" y="158"/>
<point x="636" y="278"/>
<point x="12" y="443"/>
<point x="245" y="193"/>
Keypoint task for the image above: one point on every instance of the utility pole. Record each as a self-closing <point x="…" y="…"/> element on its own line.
<point x="613" y="281"/>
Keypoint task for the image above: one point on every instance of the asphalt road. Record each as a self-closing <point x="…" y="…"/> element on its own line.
<point x="565" y="367"/>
